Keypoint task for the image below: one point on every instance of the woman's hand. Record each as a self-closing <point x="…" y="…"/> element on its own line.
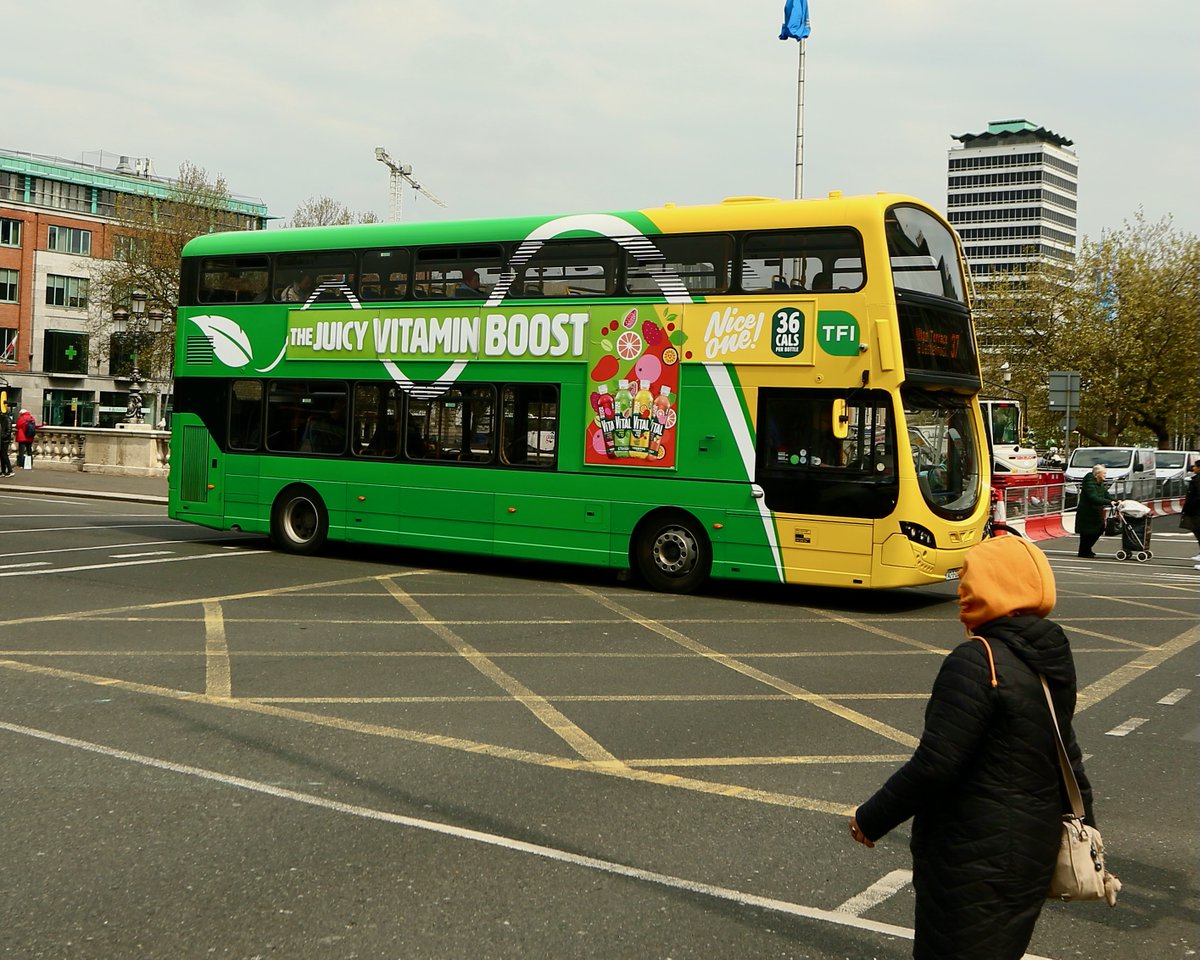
<point x="858" y="835"/>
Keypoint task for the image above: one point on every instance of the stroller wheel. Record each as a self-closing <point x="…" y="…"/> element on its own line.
<point x="1121" y="555"/>
<point x="1142" y="556"/>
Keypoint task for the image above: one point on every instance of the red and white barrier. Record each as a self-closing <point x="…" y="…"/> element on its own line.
<point x="1037" y="512"/>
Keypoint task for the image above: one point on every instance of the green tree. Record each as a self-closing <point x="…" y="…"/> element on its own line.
<point x="148" y="238"/>
<point x="1125" y="317"/>
<point x="327" y="212"/>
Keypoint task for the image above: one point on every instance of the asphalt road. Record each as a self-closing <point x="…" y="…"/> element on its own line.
<point x="214" y="750"/>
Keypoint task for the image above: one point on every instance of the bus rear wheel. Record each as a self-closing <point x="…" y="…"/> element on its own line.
<point x="299" y="521"/>
<point x="672" y="554"/>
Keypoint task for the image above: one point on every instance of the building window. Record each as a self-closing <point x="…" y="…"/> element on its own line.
<point x="65" y="351"/>
<point x="129" y="249"/>
<point x="10" y="232"/>
<point x="59" y="195"/>
<point x="112" y="409"/>
<point x="69" y="240"/>
<point x="69" y="408"/>
<point x="8" y="345"/>
<point x="9" y="285"/>
<point x="12" y="186"/>
<point x="66" y="291"/>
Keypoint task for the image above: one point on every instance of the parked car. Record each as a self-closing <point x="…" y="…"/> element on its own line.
<point x="1130" y="471"/>
<point x="1172" y="468"/>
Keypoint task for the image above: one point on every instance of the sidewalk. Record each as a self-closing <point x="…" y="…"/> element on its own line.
<point x="75" y="483"/>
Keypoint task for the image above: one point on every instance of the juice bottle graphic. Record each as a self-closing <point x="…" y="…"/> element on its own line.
<point x="623" y="411"/>
<point x="662" y="404"/>
<point x="608" y="425"/>
<point x="643" y="404"/>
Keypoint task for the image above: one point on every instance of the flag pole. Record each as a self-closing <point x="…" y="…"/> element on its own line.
<point x="800" y="125"/>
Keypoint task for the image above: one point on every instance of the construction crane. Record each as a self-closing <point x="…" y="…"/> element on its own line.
<point x="401" y="172"/>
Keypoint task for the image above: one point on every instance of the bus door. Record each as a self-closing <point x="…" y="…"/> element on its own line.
<point x="827" y="466"/>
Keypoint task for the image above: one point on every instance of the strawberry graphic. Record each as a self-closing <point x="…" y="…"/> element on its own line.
<point x="652" y="332"/>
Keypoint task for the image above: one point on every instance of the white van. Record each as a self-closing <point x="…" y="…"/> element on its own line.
<point x="1173" y="468"/>
<point x="1130" y="471"/>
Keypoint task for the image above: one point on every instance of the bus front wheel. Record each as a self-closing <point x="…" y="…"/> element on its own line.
<point x="299" y="521"/>
<point x="672" y="554"/>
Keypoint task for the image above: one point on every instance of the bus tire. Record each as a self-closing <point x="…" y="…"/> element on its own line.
<point x="672" y="553"/>
<point x="299" y="520"/>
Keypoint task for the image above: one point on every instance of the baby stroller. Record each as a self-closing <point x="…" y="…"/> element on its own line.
<point x="1132" y="519"/>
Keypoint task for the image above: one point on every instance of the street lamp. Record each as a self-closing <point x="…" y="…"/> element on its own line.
<point x="137" y="321"/>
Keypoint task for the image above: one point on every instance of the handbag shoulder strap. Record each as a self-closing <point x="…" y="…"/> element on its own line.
<point x="1064" y="761"/>
<point x="991" y="660"/>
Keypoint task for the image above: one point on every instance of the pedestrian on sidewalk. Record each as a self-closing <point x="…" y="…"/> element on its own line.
<point x="6" y="435"/>
<point x="26" y="431"/>
<point x="1089" y="511"/>
<point x="1190" y="519"/>
<point x="983" y="787"/>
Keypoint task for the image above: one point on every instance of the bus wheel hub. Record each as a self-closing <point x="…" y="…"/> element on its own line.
<point x="675" y="551"/>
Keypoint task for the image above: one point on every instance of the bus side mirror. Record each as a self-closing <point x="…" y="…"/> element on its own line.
<point x="841" y="421"/>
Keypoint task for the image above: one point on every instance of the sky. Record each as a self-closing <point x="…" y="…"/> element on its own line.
<point x="522" y="107"/>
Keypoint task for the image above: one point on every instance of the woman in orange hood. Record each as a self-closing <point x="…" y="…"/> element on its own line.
<point x="983" y="788"/>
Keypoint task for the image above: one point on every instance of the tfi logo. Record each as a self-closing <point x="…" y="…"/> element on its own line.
<point x="837" y="333"/>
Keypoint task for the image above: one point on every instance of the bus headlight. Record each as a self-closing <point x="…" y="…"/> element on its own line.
<point x="917" y="533"/>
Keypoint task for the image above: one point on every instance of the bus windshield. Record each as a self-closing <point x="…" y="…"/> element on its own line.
<point x="1006" y="423"/>
<point x="943" y="440"/>
<point x="923" y="253"/>
<point x="1115" y="458"/>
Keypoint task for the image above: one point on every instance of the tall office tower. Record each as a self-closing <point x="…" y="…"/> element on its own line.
<point x="1011" y="195"/>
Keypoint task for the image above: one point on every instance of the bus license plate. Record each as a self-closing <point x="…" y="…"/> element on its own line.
<point x="952" y="574"/>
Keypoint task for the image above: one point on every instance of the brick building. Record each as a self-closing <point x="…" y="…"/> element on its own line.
<point x="58" y="220"/>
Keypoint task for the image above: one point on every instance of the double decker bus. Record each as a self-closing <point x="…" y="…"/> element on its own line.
<point x="755" y="389"/>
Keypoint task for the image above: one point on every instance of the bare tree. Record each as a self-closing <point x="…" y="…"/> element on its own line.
<point x="148" y="239"/>
<point x="326" y="212"/>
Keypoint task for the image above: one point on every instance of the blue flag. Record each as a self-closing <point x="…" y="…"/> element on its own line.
<point x="795" y="20"/>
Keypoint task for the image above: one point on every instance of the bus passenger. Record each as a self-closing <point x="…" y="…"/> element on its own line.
<point x="299" y="289"/>
<point x="469" y="286"/>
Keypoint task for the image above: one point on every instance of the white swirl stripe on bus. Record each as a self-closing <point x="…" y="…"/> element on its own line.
<point x="722" y="383"/>
<point x="338" y="286"/>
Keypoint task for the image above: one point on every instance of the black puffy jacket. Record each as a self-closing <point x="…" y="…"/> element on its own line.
<point x="985" y="792"/>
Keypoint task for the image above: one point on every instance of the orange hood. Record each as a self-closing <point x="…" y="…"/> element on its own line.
<point x="1003" y="577"/>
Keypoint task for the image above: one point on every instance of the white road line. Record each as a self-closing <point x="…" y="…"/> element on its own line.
<point x="117" y="546"/>
<point x="876" y="893"/>
<point x="490" y="839"/>
<point x="1174" y="697"/>
<point x="1127" y="727"/>
<point x="88" y="526"/>
<point x="148" y="553"/>
<point x="18" y="566"/>
<point x="130" y="563"/>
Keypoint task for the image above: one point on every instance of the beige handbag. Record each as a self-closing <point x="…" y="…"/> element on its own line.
<point x="1079" y="872"/>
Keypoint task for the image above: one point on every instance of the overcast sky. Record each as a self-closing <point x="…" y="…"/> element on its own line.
<point x="551" y="106"/>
